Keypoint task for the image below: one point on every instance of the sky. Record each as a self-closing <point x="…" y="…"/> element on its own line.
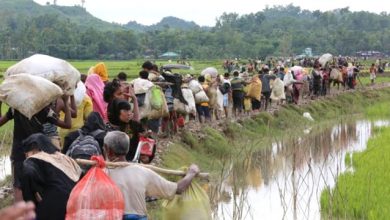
<point x="205" y="12"/>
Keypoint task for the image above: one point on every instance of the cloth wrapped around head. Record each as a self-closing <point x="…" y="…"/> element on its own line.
<point x="101" y="70"/>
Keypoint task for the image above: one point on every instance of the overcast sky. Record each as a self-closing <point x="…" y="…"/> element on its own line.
<point x="205" y="12"/>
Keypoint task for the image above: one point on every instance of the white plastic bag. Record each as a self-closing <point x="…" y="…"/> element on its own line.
<point x="80" y="93"/>
<point x="28" y="94"/>
<point x="146" y="111"/>
<point x="53" y="69"/>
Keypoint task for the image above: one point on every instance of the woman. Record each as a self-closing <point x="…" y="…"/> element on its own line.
<point x="95" y="87"/>
<point x="116" y="90"/>
<point x="101" y="70"/>
<point x="48" y="177"/>
<point x="84" y="108"/>
<point x="123" y="119"/>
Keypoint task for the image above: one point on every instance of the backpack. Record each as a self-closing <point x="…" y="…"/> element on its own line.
<point x="85" y="146"/>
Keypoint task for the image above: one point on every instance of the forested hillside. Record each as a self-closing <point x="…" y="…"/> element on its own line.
<point x="72" y="33"/>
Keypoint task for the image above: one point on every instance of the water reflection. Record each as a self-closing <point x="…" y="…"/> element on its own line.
<point x="285" y="180"/>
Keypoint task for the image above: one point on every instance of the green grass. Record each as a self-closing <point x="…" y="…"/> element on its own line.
<point x="378" y="111"/>
<point x="365" y="193"/>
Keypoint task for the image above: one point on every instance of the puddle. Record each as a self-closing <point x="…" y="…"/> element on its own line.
<point x="285" y="180"/>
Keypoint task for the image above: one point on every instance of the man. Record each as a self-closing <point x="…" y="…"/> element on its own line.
<point x="137" y="182"/>
<point x="141" y="86"/>
<point x="265" y="78"/>
<point x="203" y="108"/>
<point x="23" y="128"/>
<point x="237" y="85"/>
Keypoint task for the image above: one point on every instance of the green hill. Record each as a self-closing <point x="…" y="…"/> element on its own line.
<point x="165" y="23"/>
<point x="16" y="10"/>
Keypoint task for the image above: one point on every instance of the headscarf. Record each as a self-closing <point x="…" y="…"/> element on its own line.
<point x="94" y="122"/>
<point x="39" y="142"/>
<point x="49" y="153"/>
<point x="101" y="71"/>
<point x="114" y="110"/>
<point x="95" y="88"/>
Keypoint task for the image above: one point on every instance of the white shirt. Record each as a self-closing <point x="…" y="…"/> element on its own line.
<point x="137" y="182"/>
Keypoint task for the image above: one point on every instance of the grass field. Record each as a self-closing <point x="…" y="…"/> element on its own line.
<point x="364" y="193"/>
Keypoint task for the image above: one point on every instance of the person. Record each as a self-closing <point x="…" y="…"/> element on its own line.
<point x="227" y="93"/>
<point x="100" y="69"/>
<point x="373" y="72"/>
<point x="83" y="78"/>
<point x="254" y="93"/>
<point x="168" y="92"/>
<point x="141" y="86"/>
<point x="19" y="211"/>
<point x="23" y="128"/>
<point x="237" y="85"/>
<point x="116" y="90"/>
<point x="50" y="129"/>
<point x="94" y="124"/>
<point x="280" y="74"/>
<point x="351" y="76"/>
<point x="95" y="87"/>
<point x="289" y="81"/>
<point x="137" y="182"/>
<point x="203" y="107"/>
<point x="152" y="69"/>
<point x="84" y="107"/>
<point x="123" y="119"/>
<point x="48" y="177"/>
<point x="265" y="78"/>
<point x="122" y="77"/>
<point x="317" y="78"/>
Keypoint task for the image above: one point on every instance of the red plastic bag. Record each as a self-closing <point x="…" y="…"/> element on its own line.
<point x="96" y="196"/>
<point x="147" y="145"/>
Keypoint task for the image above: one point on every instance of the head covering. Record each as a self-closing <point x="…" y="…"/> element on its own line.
<point x="39" y="142"/>
<point x="94" y="122"/>
<point x="101" y="70"/>
<point x="114" y="110"/>
<point x="95" y="87"/>
<point x="49" y="153"/>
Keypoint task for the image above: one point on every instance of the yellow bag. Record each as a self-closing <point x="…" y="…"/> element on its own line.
<point x="193" y="204"/>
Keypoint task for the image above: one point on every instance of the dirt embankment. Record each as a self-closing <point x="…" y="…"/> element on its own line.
<point x="195" y="127"/>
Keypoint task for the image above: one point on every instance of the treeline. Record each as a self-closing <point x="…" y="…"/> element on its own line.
<point x="276" y="31"/>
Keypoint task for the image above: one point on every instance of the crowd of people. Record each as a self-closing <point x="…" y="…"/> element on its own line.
<point x="107" y="117"/>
